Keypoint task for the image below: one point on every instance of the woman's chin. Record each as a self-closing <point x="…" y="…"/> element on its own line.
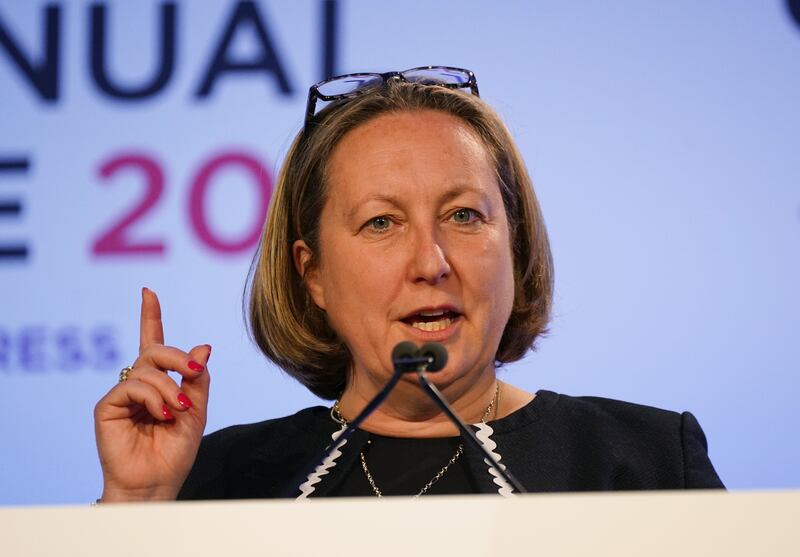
<point x="451" y="373"/>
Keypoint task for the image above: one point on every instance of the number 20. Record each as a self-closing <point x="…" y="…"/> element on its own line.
<point x="115" y="239"/>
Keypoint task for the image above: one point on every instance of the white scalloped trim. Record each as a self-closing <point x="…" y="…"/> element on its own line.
<point x="484" y="436"/>
<point x="307" y="487"/>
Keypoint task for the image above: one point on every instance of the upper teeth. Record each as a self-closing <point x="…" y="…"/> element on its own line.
<point x="432" y="313"/>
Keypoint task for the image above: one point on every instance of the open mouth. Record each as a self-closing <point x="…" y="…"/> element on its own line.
<point x="433" y="320"/>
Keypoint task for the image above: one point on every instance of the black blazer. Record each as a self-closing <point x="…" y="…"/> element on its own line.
<point x="555" y="443"/>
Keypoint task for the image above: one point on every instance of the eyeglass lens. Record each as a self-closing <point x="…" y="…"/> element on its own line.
<point x="441" y="76"/>
<point x="349" y="84"/>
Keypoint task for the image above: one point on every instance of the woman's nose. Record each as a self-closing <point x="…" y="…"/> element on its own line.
<point x="429" y="260"/>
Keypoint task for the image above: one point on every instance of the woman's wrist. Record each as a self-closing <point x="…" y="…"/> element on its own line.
<point x="137" y="495"/>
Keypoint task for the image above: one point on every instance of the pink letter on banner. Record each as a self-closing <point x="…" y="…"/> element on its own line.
<point x="197" y="201"/>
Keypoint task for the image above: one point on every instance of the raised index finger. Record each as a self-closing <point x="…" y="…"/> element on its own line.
<point x="151" y="331"/>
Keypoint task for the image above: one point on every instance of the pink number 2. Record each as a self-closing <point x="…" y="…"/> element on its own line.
<point x="116" y="240"/>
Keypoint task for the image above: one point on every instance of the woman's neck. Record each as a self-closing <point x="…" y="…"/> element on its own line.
<point x="409" y="412"/>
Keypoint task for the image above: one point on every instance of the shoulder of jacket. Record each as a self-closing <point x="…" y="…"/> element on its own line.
<point x="611" y="412"/>
<point x="304" y="420"/>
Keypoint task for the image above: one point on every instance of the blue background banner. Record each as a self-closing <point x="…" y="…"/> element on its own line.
<point x="139" y="142"/>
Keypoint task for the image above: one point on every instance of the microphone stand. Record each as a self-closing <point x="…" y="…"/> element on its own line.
<point x="402" y="365"/>
<point x="437" y="397"/>
<point x="409" y="360"/>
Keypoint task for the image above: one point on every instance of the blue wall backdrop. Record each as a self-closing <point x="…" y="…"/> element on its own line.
<point x="139" y="140"/>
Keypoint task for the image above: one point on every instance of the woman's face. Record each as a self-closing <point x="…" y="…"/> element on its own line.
<point x="414" y="245"/>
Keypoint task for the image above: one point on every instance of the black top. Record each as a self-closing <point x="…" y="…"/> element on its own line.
<point x="402" y="466"/>
<point x="554" y="443"/>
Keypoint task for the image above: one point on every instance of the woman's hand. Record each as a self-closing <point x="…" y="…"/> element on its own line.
<point x="148" y="429"/>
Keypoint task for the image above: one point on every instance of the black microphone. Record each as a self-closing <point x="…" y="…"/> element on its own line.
<point x="407" y="357"/>
<point x="436" y="354"/>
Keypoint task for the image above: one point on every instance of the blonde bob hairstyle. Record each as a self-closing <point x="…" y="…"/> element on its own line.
<point x="289" y="328"/>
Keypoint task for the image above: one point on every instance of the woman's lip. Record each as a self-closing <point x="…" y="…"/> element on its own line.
<point x="430" y="309"/>
<point x="437" y="336"/>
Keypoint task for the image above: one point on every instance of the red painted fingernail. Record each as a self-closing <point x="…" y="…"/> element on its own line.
<point x="194" y="366"/>
<point x="184" y="401"/>
<point x="166" y="412"/>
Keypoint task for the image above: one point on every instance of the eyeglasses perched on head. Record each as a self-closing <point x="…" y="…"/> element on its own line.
<point x="354" y="84"/>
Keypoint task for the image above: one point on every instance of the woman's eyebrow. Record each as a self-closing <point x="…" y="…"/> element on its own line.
<point x="381" y="197"/>
<point x="451" y="193"/>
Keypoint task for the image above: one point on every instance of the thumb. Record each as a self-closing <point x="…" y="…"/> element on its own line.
<point x="197" y="387"/>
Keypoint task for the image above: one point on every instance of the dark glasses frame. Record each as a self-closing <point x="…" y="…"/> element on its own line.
<point x="314" y="93"/>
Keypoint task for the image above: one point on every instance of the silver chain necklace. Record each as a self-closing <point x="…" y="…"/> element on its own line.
<point x="336" y="414"/>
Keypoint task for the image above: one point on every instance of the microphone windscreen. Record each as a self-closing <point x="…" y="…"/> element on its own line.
<point x="403" y="350"/>
<point x="436" y="353"/>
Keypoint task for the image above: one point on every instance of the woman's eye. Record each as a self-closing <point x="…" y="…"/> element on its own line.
<point x="464" y="216"/>
<point x="379" y="223"/>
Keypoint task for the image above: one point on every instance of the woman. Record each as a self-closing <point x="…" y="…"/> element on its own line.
<point x="403" y="212"/>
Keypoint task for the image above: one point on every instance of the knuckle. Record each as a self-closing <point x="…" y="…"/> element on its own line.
<point x="148" y="350"/>
<point x="159" y="381"/>
<point x="148" y="376"/>
<point x="144" y="371"/>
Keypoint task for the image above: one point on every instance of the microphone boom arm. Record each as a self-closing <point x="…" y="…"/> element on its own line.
<point x="406" y="358"/>
<point x="368" y="409"/>
<point x="437" y="397"/>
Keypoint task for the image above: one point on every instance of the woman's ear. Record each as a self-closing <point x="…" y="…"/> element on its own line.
<point x="303" y="256"/>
